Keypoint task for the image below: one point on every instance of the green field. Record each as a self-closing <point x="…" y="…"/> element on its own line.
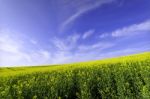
<point x="126" y="77"/>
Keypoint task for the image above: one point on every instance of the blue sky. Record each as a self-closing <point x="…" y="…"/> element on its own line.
<point x="35" y="32"/>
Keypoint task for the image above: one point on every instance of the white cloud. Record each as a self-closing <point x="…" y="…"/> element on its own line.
<point x="33" y="41"/>
<point x="59" y="44"/>
<point x="9" y="46"/>
<point x="96" y="46"/>
<point x="97" y="54"/>
<point x="88" y="33"/>
<point x="67" y="43"/>
<point x="80" y="8"/>
<point x="123" y="52"/>
<point x="61" y="57"/>
<point x="133" y="29"/>
<point x="104" y="35"/>
<point x="13" y="51"/>
<point x="71" y="50"/>
<point x="73" y="38"/>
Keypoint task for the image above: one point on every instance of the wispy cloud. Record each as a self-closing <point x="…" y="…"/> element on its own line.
<point x="88" y="33"/>
<point x="76" y="52"/>
<point x="98" y="53"/>
<point x="66" y="44"/>
<point x="96" y="46"/>
<point x="13" y="51"/>
<point x="80" y="8"/>
<point x="122" y="52"/>
<point x="33" y="41"/>
<point x="103" y="35"/>
<point x="7" y="44"/>
<point x="133" y="29"/>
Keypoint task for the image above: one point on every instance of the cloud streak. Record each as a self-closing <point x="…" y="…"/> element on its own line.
<point x="96" y="46"/>
<point x="88" y="33"/>
<point x="81" y="8"/>
<point x="133" y="29"/>
<point x="13" y="51"/>
<point x="139" y="28"/>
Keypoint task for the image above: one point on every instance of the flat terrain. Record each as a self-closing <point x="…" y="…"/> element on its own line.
<point x="125" y="77"/>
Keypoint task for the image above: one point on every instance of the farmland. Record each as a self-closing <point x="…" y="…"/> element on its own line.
<point x="126" y="77"/>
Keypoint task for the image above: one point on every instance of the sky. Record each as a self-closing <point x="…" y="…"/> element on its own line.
<point x="41" y="32"/>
